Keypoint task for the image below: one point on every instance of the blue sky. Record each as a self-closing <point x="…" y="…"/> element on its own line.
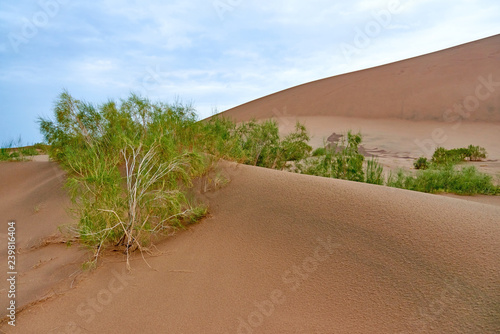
<point x="216" y="54"/>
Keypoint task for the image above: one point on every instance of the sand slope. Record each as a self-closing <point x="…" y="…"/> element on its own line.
<point x="288" y="253"/>
<point x="422" y="88"/>
<point x="31" y="193"/>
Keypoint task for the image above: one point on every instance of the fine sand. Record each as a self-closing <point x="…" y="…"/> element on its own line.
<point x="288" y="253"/>
<point x="31" y="194"/>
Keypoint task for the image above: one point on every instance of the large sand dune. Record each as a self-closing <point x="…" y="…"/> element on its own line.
<point x="458" y="83"/>
<point x="288" y="253"/>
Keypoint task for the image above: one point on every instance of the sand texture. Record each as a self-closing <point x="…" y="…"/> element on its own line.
<point x="288" y="253"/>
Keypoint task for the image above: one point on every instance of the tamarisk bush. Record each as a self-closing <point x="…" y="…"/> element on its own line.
<point x="127" y="164"/>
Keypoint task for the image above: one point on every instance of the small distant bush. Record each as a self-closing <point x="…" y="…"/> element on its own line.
<point x="13" y="151"/>
<point x="40" y="147"/>
<point x="443" y="156"/>
<point x="421" y="163"/>
<point x="341" y="161"/>
<point x="253" y="143"/>
<point x="466" y="181"/>
<point x="4" y="154"/>
<point x="374" y="172"/>
<point x="319" y="152"/>
<point x="401" y="179"/>
<point x="476" y="153"/>
<point x="29" y="151"/>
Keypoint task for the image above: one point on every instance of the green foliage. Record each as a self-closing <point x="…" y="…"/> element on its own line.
<point x="341" y="161"/>
<point x="421" y="163"/>
<point x="466" y="181"/>
<point x="4" y="154"/>
<point x="223" y="138"/>
<point x="348" y="161"/>
<point x="319" y="152"/>
<point x="261" y="142"/>
<point x="127" y="164"/>
<point x="28" y="151"/>
<point x="40" y="147"/>
<point x="294" y="147"/>
<point x="401" y="180"/>
<point x="476" y="153"/>
<point x="253" y="143"/>
<point x="374" y="172"/>
<point x="13" y="151"/>
<point x="443" y="156"/>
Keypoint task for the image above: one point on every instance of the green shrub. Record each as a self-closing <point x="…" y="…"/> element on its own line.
<point x="10" y="151"/>
<point x="253" y="143"/>
<point x="472" y="153"/>
<point x="319" y="152"/>
<point x="341" y="161"/>
<point x="127" y="164"/>
<point x="421" y="163"/>
<point x="348" y="163"/>
<point x="29" y="151"/>
<point x="476" y="153"/>
<point x="294" y="147"/>
<point x="4" y="154"/>
<point x="466" y="181"/>
<point x="222" y="138"/>
<point x="401" y="180"/>
<point x="374" y="172"/>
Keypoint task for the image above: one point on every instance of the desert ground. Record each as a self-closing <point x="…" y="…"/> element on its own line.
<point x="288" y="253"/>
<point x="282" y="253"/>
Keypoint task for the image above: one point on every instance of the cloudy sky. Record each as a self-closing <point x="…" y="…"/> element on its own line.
<point x="216" y="54"/>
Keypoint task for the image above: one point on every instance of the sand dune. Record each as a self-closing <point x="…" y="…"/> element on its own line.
<point x="288" y="253"/>
<point x="422" y="88"/>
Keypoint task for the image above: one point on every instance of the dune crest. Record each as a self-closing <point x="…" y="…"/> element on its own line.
<point x="462" y="82"/>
